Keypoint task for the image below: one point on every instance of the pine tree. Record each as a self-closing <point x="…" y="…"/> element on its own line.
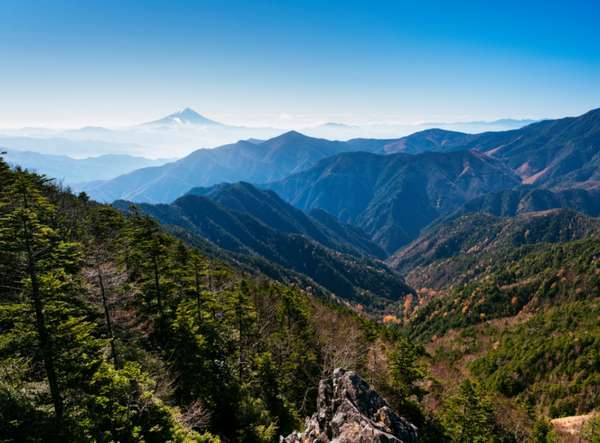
<point x="31" y="243"/>
<point x="468" y="415"/>
<point x="149" y="254"/>
<point x="405" y="369"/>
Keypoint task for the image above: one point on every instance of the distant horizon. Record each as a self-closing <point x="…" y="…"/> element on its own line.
<point x="277" y="124"/>
<point x="178" y="134"/>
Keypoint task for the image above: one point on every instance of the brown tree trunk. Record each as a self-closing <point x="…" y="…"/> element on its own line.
<point x="157" y="289"/>
<point x="198" y="300"/>
<point x="40" y="321"/>
<point x="111" y="337"/>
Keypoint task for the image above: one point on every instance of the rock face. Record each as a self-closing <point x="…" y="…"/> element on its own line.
<point x="349" y="411"/>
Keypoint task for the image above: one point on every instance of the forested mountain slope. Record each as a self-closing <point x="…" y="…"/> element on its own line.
<point x="453" y="251"/>
<point x="114" y="330"/>
<point x="511" y="202"/>
<point x="274" y="212"/>
<point x="392" y="197"/>
<point x="350" y="275"/>
<point x="523" y="278"/>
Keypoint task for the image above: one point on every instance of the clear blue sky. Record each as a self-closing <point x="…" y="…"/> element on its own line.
<point x="118" y="62"/>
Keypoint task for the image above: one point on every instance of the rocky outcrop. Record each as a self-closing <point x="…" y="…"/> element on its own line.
<point x="349" y="411"/>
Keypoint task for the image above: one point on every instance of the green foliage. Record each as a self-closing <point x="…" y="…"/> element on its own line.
<point x="532" y="276"/>
<point x="591" y="429"/>
<point x="404" y="369"/>
<point x="148" y="339"/>
<point x="282" y="242"/>
<point x="550" y="361"/>
<point x="112" y="329"/>
<point x="542" y="432"/>
<point x="120" y="406"/>
<point x="468" y="416"/>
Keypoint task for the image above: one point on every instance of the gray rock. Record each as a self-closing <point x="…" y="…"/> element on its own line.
<point x="349" y="411"/>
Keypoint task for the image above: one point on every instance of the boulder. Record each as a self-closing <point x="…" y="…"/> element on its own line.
<point x="349" y="411"/>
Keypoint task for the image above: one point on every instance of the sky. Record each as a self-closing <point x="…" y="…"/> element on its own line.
<point x="118" y="62"/>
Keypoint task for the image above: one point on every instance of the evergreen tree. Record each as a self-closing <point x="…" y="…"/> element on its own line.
<point x="35" y="250"/>
<point x="468" y="415"/>
<point x="148" y="254"/>
<point x="542" y="432"/>
<point x="405" y="370"/>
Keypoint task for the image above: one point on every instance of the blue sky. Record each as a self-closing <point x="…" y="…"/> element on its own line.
<point x="109" y="62"/>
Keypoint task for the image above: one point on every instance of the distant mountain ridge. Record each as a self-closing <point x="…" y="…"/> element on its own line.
<point x="72" y="170"/>
<point x="59" y="145"/>
<point x="247" y="160"/>
<point x="524" y="199"/>
<point x="393" y="188"/>
<point x="555" y="154"/>
<point x="430" y="140"/>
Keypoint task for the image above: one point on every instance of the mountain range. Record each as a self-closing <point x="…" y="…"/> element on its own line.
<point x="397" y="189"/>
<point x="389" y="188"/>
<point x="556" y="154"/>
<point x="458" y="273"/>
<point x="180" y="133"/>
<point x="247" y="160"/>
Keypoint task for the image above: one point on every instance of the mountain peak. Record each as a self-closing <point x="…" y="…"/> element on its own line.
<point x="186" y="116"/>
<point x="188" y="112"/>
<point x="292" y="133"/>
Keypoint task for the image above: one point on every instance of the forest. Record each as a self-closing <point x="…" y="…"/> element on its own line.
<point x="113" y="329"/>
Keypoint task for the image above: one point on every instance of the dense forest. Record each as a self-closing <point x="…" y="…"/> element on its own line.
<point x="114" y="329"/>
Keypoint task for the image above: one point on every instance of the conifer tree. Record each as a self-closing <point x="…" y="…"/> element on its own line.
<point x="32" y="244"/>
<point x="149" y="253"/>
<point x="468" y="415"/>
